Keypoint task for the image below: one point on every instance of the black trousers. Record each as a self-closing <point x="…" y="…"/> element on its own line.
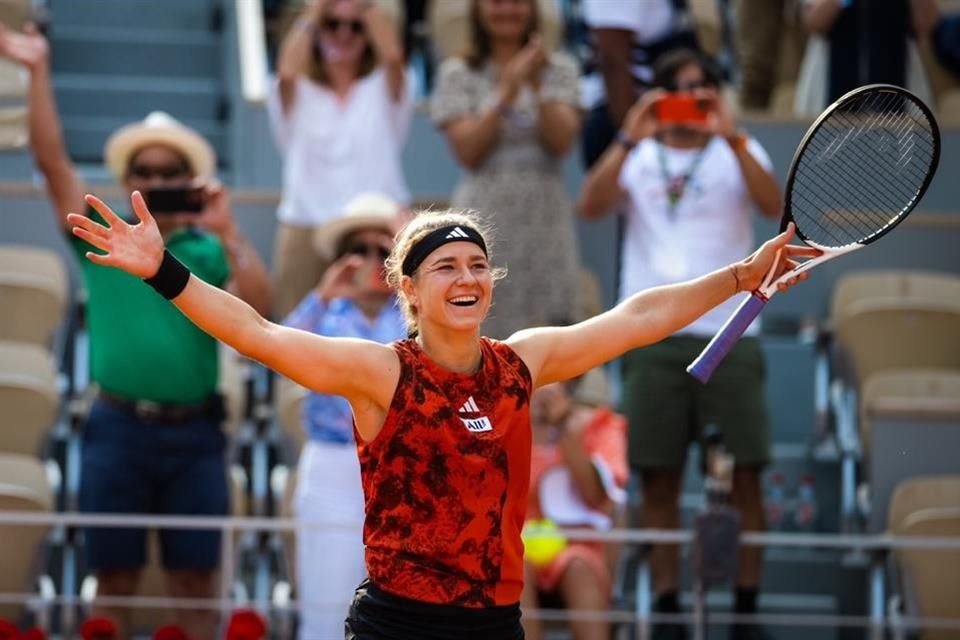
<point x="377" y="615"/>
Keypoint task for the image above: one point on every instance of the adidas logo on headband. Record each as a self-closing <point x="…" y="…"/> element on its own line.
<point x="456" y="233"/>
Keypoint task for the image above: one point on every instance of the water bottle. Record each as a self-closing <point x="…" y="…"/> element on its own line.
<point x="805" y="509"/>
<point x="775" y="500"/>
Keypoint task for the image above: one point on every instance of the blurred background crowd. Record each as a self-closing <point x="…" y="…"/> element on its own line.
<point x="611" y="145"/>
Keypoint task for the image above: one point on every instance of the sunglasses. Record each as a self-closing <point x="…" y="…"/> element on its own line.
<point x="168" y="172"/>
<point x="367" y="251"/>
<point x="333" y="25"/>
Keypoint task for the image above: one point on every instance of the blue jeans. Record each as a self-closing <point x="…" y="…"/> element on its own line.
<point x="132" y="467"/>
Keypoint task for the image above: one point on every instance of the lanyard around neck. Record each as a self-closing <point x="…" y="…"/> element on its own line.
<point x="677" y="185"/>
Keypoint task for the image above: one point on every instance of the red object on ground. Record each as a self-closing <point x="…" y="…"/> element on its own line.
<point x="98" y="629"/>
<point x="246" y="624"/>
<point x="170" y="632"/>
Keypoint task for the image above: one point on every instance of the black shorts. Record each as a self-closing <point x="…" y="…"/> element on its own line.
<point x="377" y="615"/>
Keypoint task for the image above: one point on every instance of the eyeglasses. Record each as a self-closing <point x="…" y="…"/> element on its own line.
<point x="367" y="251"/>
<point x="333" y="25"/>
<point x="167" y="172"/>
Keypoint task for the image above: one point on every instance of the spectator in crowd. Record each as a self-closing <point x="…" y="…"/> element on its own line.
<point x="691" y="188"/>
<point x="868" y="41"/>
<point x="509" y="111"/>
<point x="761" y="27"/>
<point x="625" y="37"/>
<point x="340" y="111"/>
<point x="153" y="441"/>
<point x="352" y="300"/>
<point x="577" y="477"/>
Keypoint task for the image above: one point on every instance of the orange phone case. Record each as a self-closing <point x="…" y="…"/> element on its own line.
<point x="681" y="108"/>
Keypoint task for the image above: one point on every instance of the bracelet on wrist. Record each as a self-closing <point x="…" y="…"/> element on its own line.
<point x="171" y="278"/>
<point x="624" y="141"/>
<point x="736" y="278"/>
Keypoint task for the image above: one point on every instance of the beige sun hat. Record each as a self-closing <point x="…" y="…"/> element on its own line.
<point x="363" y="211"/>
<point x="163" y="129"/>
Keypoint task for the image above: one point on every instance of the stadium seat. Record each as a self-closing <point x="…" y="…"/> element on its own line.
<point x="449" y="24"/>
<point x="929" y="579"/>
<point x="33" y="288"/>
<point x="289" y="400"/>
<point x="24" y="486"/>
<point x="885" y="321"/>
<point x="28" y="396"/>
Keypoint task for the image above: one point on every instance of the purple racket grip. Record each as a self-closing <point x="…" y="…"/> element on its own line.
<point x="711" y="357"/>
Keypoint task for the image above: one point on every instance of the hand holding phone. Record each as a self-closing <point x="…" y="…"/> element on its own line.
<point x="682" y="109"/>
<point x="181" y="199"/>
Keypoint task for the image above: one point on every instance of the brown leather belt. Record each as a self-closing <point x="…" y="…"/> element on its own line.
<point x="157" y="413"/>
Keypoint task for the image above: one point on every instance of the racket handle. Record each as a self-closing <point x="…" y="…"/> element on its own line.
<point x="714" y="353"/>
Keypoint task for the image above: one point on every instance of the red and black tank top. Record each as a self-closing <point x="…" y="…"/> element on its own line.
<point x="445" y="481"/>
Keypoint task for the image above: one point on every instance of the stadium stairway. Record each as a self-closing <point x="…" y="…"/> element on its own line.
<point x="114" y="61"/>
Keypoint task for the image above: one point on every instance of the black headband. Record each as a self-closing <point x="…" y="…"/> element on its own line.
<point x="436" y="239"/>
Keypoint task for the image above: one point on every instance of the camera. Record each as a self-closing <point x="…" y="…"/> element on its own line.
<point x="167" y="200"/>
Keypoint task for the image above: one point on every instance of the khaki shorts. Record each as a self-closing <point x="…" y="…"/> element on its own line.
<point x="667" y="408"/>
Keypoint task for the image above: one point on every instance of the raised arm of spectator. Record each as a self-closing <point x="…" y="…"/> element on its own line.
<point x="558" y="116"/>
<point x="64" y="186"/>
<point x="386" y="42"/>
<point x="614" y="47"/>
<point x="819" y="15"/>
<point x="924" y="15"/>
<point x="295" y="53"/>
<point x="761" y="183"/>
<point x="601" y="189"/>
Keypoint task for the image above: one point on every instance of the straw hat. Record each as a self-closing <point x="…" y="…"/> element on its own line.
<point x="364" y="211"/>
<point x="162" y="129"/>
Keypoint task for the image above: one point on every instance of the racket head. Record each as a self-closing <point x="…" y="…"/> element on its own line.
<point x="862" y="167"/>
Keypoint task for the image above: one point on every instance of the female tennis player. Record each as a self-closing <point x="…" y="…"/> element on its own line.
<point x="442" y="419"/>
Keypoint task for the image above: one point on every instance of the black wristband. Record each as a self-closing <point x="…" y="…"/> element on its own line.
<point x="171" y="278"/>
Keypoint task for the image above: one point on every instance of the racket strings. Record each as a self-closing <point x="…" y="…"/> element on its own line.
<point x="862" y="169"/>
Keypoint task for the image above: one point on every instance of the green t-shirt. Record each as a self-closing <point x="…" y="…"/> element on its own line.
<point x="141" y="346"/>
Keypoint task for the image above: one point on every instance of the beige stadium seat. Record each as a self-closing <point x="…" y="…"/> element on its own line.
<point x="289" y="401"/>
<point x="33" y="293"/>
<point x="449" y="25"/>
<point x="930" y="578"/>
<point x="896" y="320"/>
<point x="28" y="397"/>
<point x="24" y="487"/>
<point x="915" y="394"/>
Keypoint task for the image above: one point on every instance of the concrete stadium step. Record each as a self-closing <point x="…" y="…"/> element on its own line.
<point x="81" y="94"/>
<point x="87" y="135"/>
<point x="183" y="15"/>
<point x="156" y="52"/>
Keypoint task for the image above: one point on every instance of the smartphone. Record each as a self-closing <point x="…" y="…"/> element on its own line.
<point x="682" y="108"/>
<point x="161" y="200"/>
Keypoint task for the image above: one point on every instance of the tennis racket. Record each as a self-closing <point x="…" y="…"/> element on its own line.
<point x="860" y="169"/>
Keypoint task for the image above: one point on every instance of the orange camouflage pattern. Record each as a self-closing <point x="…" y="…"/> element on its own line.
<point x="446" y="481"/>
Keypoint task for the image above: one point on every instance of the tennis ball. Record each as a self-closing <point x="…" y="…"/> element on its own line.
<point x="542" y="542"/>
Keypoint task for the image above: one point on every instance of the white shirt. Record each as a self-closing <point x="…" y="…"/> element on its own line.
<point x="333" y="150"/>
<point x="710" y="227"/>
<point x="649" y="20"/>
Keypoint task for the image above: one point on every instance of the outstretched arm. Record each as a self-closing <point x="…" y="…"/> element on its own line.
<point x="356" y="369"/>
<point x="561" y="353"/>
<point x="64" y="187"/>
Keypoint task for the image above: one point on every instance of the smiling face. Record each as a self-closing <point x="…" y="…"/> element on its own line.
<point x="508" y="20"/>
<point x="341" y="34"/>
<point x="452" y="289"/>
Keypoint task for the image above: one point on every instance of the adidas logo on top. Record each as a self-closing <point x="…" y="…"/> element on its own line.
<point x="457" y="233"/>
<point x="468" y="416"/>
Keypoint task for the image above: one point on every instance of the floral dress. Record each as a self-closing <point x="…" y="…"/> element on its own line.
<point x="519" y="189"/>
